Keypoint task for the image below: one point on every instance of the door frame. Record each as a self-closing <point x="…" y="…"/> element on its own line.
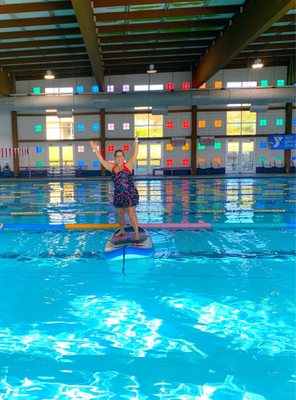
<point x="240" y="141"/>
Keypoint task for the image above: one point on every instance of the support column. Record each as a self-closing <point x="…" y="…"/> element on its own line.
<point x="288" y="130"/>
<point x="6" y="83"/>
<point x="103" y="137"/>
<point x="193" y="139"/>
<point x="16" y="162"/>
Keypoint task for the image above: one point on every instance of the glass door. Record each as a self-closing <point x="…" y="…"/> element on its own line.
<point x="67" y="160"/>
<point x="232" y="157"/>
<point x="240" y="156"/>
<point x="247" y="156"/>
<point x="149" y="157"/>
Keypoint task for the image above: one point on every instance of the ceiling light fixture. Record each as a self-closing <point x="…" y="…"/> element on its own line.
<point x="257" y="63"/>
<point x="49" y="75"/>
<point x="151" y="69"/>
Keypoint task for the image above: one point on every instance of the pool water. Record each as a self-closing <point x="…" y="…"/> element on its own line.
<point x="210" y="316"/>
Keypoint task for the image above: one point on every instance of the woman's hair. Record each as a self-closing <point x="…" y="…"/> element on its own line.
<point x="118" y="151"/>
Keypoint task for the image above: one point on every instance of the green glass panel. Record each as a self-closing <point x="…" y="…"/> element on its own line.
<point x="280" y="82"/>
<point x="217" y="145"/>
<point x="201" y="146"/>
<point x="261" y="160"/>
<point x="264" y="82"/>
<point x="279" y="122"/>
<point x="38" y="128"/>
<point x="39" y="164"/>
<point x="36" y="90"/>
<point x="263" y="122"/>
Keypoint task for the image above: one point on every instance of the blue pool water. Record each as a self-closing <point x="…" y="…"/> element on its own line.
<point x="210" y="316"/>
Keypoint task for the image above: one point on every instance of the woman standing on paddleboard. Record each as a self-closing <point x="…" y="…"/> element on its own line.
<point x="126" y="196"/>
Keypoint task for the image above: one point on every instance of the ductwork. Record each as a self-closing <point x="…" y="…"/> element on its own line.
<point x="202" y="97"/>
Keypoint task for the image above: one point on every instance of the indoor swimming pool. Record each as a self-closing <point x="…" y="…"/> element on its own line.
<point x="210" y="316"/>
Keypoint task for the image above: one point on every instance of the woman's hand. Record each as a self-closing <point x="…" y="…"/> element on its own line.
<point x="94" y="145"/>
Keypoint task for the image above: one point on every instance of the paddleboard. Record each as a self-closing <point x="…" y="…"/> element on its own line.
<point x="125" y="245"/>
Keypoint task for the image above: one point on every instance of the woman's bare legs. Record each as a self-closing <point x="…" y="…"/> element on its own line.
<point x="121" y="213"/>
<point x="134" y="221"/>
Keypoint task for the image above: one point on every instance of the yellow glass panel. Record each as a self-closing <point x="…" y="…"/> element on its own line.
<point x="67" y="152"/>
<point x="142" y="163"/>
<point x="248" y="116"/>
<point x="233" y="146"/>
<point x="249" y="129"/>
<point x="141" y="119"/>
<point x="142" y="154"/>
<point x="54" y="156"/>
<point x="201" y="160"/>
<point x="155" y="151"/>
<point x="202" y="124"/>
<point x="155" y="131"/>
<point x="247" y="147"/>
<point x="155" y="163"/>
<point x="169" y="147"/>
<point x="155" y="120"/>
<point x="234" y="116"/>
<point x="142" y="131"/>
<point x="234" y="129"/>
<point x="217" y="160"/>
<point x="186" y="146"/>
<point x="218" y="84"/>
<point x="218" y="123"/>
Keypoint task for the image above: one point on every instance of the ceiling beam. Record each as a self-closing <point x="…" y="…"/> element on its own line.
<point x="255" y="19"/>
<point x="34" y="7"/>
<point x="118" y="3"/>
<point x="150" y="46"/>
<point x="169" y="54"/>
<point x="39" y="33"/>
<point x="85" y="18"/>
<point x="166" y="13"/>
<point x="159" y="26"/>
<point x="34" y="60"/>
<point x="40" y="43"/>
<point x="44" y="67"/>
<point x="281" y="29"/>
<point x="19" y="22"/>
<point x="158" y="37"/>
<point x="275" y="38"/>
<point x="153" y="59"/>
<point x="39" y="52"/>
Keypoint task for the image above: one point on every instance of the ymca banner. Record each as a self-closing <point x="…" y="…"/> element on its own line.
<point x="282" y="142"/>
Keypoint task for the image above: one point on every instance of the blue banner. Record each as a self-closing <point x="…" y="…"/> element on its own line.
<point x="282" y="142"/>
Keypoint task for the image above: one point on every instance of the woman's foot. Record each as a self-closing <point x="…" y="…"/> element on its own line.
<point x="121" y="232"/>
<point x="137" y="237"/>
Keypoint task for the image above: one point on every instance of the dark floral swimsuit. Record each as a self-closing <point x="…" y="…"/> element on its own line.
<point x="125" y="192"/>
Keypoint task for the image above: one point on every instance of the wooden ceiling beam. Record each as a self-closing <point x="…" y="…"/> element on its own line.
<point x="44" y="66"/>
<point x="40" y="43"/>
<point x="118" y="3"/>
<point x="160" y="26"/>
<point x="158" y="37"/>
<point x="281" y="29"/>
<point x="39" y="52"/>
<point x="20" y="22"/>
<point x="170" y="54"/>
<point x="255" y="19"/>
<point x="165" y="13"/>
<point x="152" y="59"/>
<point x="150" y="46"/>
<point x="34" y="60"/>
<point x="84" y="14"/>
<point x="39" y="33"/>
<point x="263" y="54"/>
<point x="34" y="7"/>
<point x="270" y="46"/>
<point x="275" y="38"/>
